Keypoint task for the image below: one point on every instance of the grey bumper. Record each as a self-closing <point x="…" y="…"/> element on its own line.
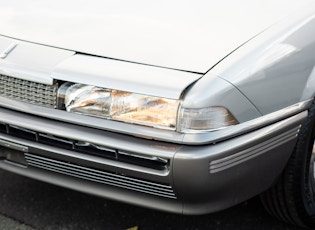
<point x="176" y="178"/>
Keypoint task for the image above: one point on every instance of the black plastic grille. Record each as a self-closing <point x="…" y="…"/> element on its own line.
<point x="28" y="91"/>
<point x="156" y="163"/>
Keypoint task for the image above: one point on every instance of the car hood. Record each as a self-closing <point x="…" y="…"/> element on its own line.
<point x="185" y="35"/>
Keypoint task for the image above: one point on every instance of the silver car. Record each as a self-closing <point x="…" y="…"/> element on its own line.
<point x="189" y="107"/>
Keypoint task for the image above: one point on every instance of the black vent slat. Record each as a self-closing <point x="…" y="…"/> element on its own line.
<point x="22" y="133"/>
<point x="55" y="141"/>
<point x="94" y="150"/>
<point x="3" y="128"/>
<point x="85" y="147"/>
<point x="141" y="161"/>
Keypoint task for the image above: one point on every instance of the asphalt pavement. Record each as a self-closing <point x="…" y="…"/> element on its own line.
<point x="26" y="204"/>
<point x="10" y="224"/>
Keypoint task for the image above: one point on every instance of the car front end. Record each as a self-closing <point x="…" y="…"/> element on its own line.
<point x="188" y="139"/>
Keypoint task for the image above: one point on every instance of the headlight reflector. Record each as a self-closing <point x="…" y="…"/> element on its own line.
<point x="118" y="105"/>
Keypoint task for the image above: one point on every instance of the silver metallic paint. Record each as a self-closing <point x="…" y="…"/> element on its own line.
<point x="198" y="191"/>
<point x="6" y="52"/>
<point x="209" y="192"/>
<point x="124" y="76"/>
<point x="276" y="69"/>
<point x="31" y="62"/>
<point x="187" y="35"/>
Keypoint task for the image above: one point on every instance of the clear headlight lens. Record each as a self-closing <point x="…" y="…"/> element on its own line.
<point x="204" y="119"/>
<point x="118" y="105"/>
<point x="141" y="109"/>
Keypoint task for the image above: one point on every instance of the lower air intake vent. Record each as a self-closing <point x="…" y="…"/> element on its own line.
<point x="152" y="162"/>
<point x="95" y="175"/>
<point x="28" y="91"/>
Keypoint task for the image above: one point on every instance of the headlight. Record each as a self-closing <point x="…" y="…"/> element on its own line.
<point x="140" y="109"/>
<point x="118" y="105"/>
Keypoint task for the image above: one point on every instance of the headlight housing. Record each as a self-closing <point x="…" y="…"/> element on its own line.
<point x="141" y="109"/>
<point x="118" y="105"/>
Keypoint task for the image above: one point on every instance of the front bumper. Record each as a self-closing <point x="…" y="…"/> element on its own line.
<point x="172" y="177"/>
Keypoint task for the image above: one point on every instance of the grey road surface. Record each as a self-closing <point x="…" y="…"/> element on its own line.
<point x="26" y="204"/>
<point x="10" y="224"/>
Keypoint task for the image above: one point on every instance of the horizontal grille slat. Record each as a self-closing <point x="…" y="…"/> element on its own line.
<point x="151" y="162"/>
<point x="28" y="91"/>
<point x="100" y="176"/>
<point x="240" y="157"/>
<point x="22" y="133"/>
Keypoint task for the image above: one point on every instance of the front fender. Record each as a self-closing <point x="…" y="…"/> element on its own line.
<point x="275" y="69"/>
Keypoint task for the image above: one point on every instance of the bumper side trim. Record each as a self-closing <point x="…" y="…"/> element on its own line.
<point x="238" y="158"/>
